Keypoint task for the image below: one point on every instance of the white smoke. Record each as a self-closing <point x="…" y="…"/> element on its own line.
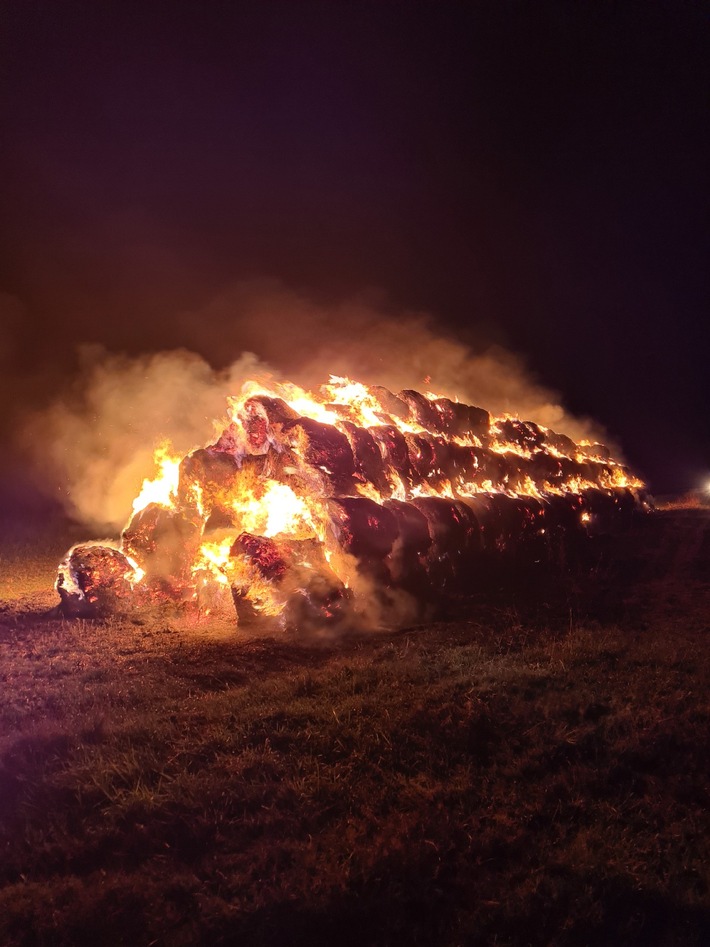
<point x="95" y="443"/>
<point x="97" y="440"/>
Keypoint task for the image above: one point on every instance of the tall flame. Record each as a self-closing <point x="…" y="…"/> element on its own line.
<point x="161" y="489"/>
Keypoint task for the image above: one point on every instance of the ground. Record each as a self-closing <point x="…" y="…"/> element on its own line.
<point x="532" y="768"/>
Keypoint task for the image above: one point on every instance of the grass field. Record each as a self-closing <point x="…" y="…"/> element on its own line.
<point x="535" y="769"/>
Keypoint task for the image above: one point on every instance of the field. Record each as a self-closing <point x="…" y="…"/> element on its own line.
<point x="531" y="769"/>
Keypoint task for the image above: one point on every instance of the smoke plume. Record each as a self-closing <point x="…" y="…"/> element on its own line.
<point x="95" y="443"/>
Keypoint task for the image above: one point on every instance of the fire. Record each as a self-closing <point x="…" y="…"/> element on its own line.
<point x="215" y="556"/>
<point x="305" y="497"/>
<point x="277" y="510"/>
<point x="162" y="489"/>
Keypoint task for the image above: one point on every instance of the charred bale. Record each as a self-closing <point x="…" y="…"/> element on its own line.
<point x="361" y="527"/>
<point x="291" y="581"/>
<point x="208" y="475"/>
<point x="467" y="520"/>
<point x="323" y="447"/>
<point x="510" y="524"/>
<point x="369" y="466"/>
<point x="478" y="468"/>
<point x="407" y="560"/>
<point x="230" y="441"/>
<point x="525" y="435"/>
<point x="566" y="529"/>
<point x="288" y="580"/>
<point x="421" y="410"/>
<point x="390" y="403"/>
<point x="556" y="471"/>
<point x="430" y="459"/>
<point x="461" y="420"/>
<point x="95" y="581"/>
<point x="257" y="569"/>
<point x="587" y="472"/>
<point x="565" y="510"/>
<point x="520" y="473"/>
<point x="534" y="544"/>
<point x="263" y="419"/>
<point x="492" y="468"/>
<point x="393" y="448"/>
<point x="464" y="465"/>
<point x="318" y="605"/>
<point x="412" y="527"/>
<point x="573" y="473"/>
<point x="316" y="599"/>
<point x="627" y="507"/>
<point x="572" y="470"/>
<point x="264" y="552"/>
<point x="560" y="443"/>
<point x="525" y="551"/>
<point x="164" y="542"/>
<point x="256" y="428"/>
<point x="421" y="456"/>
<point x="601" y="511"/>
<point x="545" y="468"/>
<point x="455" y="538"/>
<point x="443" y="462"/>
<point x="484" y="511"/>
<point x="521" y="541"/>
<point x="596" y="451"/>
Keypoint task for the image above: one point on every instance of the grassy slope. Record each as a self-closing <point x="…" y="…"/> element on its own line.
<point x="534" y="773"/>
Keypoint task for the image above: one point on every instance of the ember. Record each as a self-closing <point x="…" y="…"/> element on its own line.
<point x="305" y="500"/>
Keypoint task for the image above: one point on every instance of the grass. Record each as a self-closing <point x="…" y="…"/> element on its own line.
<point x="533" y="770"/>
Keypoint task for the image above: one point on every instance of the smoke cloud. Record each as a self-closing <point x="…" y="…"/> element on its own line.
<point x="94" y="445"/>
<point x="365" y="339"/>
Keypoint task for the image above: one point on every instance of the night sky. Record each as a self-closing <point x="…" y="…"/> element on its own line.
<point x="534" y="175"/>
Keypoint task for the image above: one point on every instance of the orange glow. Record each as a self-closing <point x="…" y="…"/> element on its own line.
<point x="163" y="487"/>
<point x="259" y="513"/>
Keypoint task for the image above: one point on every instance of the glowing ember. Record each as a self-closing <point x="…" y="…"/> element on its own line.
<point x="307" y="499"/>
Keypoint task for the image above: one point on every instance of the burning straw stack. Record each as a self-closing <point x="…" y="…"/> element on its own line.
<point x="305" y="504"/>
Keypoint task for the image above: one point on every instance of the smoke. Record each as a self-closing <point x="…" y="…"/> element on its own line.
<point x="96" y="442"/>
<point x="366" y="339"/>
<point x="94" y="445"/>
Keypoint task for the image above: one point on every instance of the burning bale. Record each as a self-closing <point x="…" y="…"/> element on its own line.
<point x="369" y="465"/>
<point x="95" y="581"/>
<point x="304" y="501"/>
<point x="292" y="580"/>
<point x="165" y="541"/>
<point x="322" y="448"/>
<point x="395" y="455"/>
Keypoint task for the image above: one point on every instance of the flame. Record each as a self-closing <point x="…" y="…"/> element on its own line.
<point x="214" y="557"/>
<point x="162" y="489"/>
<point x="277" y="510"/>
<point x="356" y="396"/>
<point x="135" y="574"/>
<point x="268" y="479"/>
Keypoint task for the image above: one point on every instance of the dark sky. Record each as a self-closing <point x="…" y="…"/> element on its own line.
<point x="533" y="174"/>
